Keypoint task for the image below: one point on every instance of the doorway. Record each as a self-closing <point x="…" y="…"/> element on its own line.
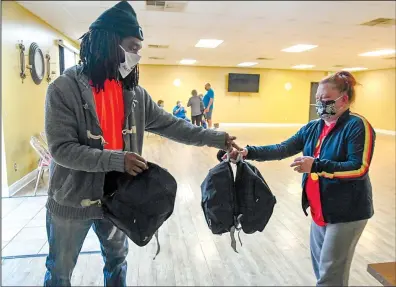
<point x="312" y="101"/>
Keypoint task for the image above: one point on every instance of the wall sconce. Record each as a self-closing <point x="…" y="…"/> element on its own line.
<point x="48" y="64"/>
<point x="22" y="63"/>
<point x="177" y="82"/>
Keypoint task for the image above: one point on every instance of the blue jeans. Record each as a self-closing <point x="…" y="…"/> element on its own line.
<point x="66" y="237"/>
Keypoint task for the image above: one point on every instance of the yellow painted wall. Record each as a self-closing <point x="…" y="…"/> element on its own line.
<point x="273" y="104"/>
<point x="23" y="104"/>
<point x="375" y="98"/>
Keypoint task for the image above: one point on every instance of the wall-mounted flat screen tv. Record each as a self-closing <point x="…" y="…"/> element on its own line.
<point x="243" y="83"/>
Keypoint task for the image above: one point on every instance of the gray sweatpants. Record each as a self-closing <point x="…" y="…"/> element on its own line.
<point x="332" y="249"/>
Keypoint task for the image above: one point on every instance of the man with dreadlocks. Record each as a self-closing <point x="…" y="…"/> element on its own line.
<point x="95" y="118"/>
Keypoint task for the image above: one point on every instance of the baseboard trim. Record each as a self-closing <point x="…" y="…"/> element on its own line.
<point x="385" y="132"/>
<point x="259" y="125"/>
<point x="279" y="125"/>
<point x="21" y="183"/>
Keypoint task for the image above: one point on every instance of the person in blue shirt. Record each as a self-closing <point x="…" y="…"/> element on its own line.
<point x="208" y="101"/>
<point x="180" y="112"/>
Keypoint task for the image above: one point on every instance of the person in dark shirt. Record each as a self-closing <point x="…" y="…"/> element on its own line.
<point x="197" y="107"/>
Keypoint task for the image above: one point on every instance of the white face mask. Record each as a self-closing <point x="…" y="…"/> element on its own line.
<point x="131" y="60"/>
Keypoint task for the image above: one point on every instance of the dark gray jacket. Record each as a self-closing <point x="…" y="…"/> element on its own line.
<point x="76" y="143"/>
<point x="196" y="105"/>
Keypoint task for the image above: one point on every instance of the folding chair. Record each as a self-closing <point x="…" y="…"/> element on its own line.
<point x="45" y="158"/>
<point x="44" y="138"/>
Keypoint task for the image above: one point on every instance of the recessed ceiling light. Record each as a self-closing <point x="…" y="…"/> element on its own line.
<point x="303" y="66"/>
<point x="187" y="62"/>
<point x="353" y="69"/>
<point x="299" y="48"/>
<point x="378" y="53"/>
<point x="247" y="64"/>
<point x="208" y="43"/>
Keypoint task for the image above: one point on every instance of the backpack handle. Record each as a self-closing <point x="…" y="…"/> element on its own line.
<point x="239" y="158"/>
<point x="227" y="158"/>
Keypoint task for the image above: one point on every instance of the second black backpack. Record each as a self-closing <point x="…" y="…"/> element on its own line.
<point x="255" y="199"/>
<point x="139" y="205"/>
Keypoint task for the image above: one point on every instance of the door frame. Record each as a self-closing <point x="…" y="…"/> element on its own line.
<point x="312" y="101"/>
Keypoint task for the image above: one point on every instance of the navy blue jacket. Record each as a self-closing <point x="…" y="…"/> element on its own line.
<point x="343" y="165"/>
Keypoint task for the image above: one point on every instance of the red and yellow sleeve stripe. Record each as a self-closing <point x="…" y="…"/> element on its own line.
<point x="367" y="154"/>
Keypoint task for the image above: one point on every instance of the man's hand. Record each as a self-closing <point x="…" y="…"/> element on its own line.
<point x="134" y="163"/>
<point x="303" y="164"/>
<point x="230" y="144"/>
<point x="206" y="111"/>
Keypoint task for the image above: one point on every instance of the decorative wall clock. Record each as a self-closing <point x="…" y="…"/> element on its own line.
<point x="36" y="63"/>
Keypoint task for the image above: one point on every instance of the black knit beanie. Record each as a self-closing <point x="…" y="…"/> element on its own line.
<point x="120" y="19"/>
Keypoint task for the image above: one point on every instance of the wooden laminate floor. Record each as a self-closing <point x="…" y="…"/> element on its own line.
<point x="190" y="254"/>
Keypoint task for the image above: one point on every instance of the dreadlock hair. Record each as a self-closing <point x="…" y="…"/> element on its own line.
<point x="101" y="56"/>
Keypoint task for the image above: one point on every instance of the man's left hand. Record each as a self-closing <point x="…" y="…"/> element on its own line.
<point x="230" y="144"/>
<point x="303" y="164"/>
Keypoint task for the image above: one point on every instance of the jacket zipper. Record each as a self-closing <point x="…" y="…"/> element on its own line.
<point x="320" y="156"/>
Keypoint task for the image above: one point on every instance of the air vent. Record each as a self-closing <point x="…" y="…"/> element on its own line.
<point x="390" y="58"/>
<point x="158" y="46"/>
<point x="264" y="59"/>
<point x="156" y="58"/>
<point x="338" y="66"/>
<point x="380" y="22"/>
<point x="166" y="6"/>
<point x="156" y="4"/>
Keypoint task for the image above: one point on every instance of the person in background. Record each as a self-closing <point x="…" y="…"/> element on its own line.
<point x="337" y="152"/>
<point x="204" y="123"/>
<point x="161" y="104"/>
<point x="197" y="107"/>
<point x="96" y="114"/>
<point x="208" y="102"/>
<point x="180" y="112"/>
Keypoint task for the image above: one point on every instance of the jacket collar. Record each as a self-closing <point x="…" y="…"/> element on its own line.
<point x="87" y="95"/>
<point x="343" y="118"/>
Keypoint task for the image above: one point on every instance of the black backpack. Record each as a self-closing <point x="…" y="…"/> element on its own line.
<point x="255" y="200"/>
<point x="246" y="203"/>
<point x="218" y="198"/>
<point x="139" y="205"/>
<point x="219" y="203"/>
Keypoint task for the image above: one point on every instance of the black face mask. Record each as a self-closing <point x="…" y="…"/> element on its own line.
<point x="326" y="109"/>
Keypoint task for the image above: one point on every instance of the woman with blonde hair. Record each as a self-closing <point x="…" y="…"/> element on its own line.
<point x="337" y="151"/>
